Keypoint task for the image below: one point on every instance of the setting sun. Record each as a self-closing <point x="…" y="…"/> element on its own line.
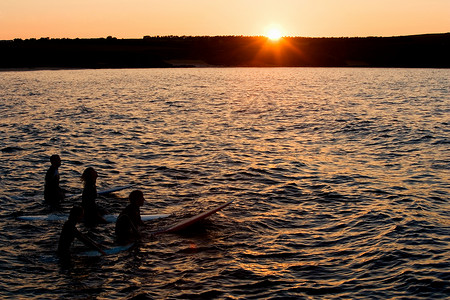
<point x="274" y="34"/>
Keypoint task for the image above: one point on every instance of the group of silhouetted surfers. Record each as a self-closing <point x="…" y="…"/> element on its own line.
<point x="127" y="224"/>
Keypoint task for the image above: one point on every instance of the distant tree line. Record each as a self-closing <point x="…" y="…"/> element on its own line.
<point x="427" y="51"/>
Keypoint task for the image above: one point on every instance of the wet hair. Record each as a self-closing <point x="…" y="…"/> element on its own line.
<point x="76" y="212"/>
<point x="88" y="175"/>
<point x="135" y="196"/>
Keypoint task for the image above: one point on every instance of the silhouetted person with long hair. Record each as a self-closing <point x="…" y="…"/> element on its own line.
<point x="129" y="220"/>
<point x="92" y="214"/>
<point x="70" y="232"/>
<point x="53" y="194"/>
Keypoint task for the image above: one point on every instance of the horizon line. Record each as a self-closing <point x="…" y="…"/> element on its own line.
<point x="214" y="36"/>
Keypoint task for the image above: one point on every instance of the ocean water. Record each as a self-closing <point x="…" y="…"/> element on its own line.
<point x="340" y="180"/>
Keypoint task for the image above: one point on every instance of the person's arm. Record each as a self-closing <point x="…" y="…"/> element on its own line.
<point x="88" y="242"/>
<point x="140" y="222"/>
<point x="131" y="224"/>
<point x="133" y="227"/>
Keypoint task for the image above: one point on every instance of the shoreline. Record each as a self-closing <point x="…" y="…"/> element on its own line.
<point x="418" y="51"/>
<point x="5" y="70"/>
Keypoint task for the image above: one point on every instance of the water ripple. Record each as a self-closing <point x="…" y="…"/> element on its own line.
<point x="339" y="180"/>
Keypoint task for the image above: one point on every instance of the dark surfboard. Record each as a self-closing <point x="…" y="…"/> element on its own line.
<point x="188" y="222"/>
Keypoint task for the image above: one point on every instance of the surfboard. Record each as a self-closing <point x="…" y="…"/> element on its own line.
<point x="115" y="189"/>
<point x="113" y="218"/>
<point x="113" y="250"/>
<point x="108" y="218"/>
<point x="188" y="222"/>
<point x="104" y="192"/>
<point x="43" y="218"/>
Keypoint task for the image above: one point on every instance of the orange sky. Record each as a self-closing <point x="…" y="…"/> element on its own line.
<point x="136" y="18"/>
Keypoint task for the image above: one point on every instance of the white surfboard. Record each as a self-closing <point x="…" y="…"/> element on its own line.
<point x="43" y="218"/>
<point x="113" y="218"/>
<point x="108" y="218"/>
<point x="115" y="189"/>
<point x="113" y="250"/>
<point x="104" y="192"/>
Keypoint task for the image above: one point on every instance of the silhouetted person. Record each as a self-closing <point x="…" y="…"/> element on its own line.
<point x="53" y="194"/>
<point x="70" y="232"/>
<point x="92" y="214"/>
<point x="129" y="220"/>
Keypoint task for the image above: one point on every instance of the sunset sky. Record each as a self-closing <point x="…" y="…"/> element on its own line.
<point x="136" y="18"/>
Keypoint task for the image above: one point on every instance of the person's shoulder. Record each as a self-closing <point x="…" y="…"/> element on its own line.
<point x="122" y="219"/>
<point x="50" y="170"/>
<point x="89" y="189"/>
<point x="129" y="208"/>
<point x="89" y="186"/>
<point x="68" y="225"/>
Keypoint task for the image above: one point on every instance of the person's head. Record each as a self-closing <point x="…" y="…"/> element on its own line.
<point x="55" y="160"/>
<point x="76" y="213"/>
<point x="137" y="198"/>
<point x="89" y="176"/>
